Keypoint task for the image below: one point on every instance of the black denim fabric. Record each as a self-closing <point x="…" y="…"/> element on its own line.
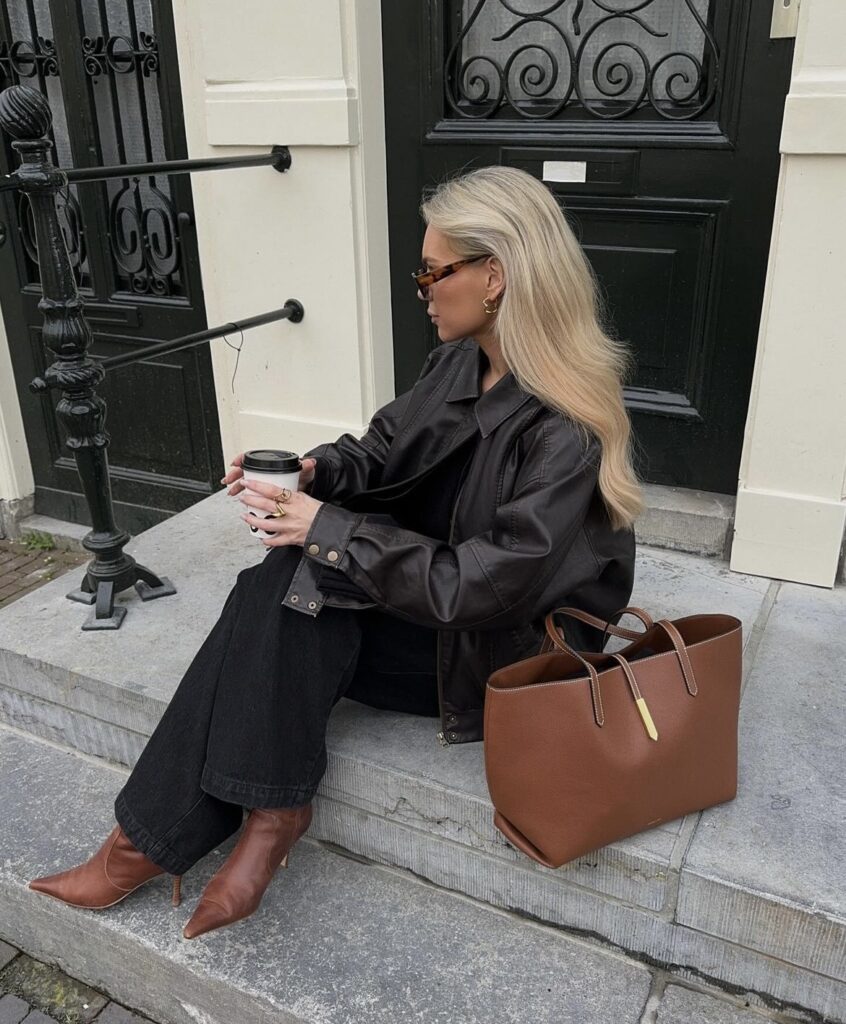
<point x="246" y="726"/>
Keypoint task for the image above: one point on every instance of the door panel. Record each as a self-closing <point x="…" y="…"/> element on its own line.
<point x="656" y="125"/>
<point x="108" y="69"/>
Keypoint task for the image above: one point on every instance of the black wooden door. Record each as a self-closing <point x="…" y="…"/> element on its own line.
<point x="109" y="71"/>
<point x="656" y="123"/>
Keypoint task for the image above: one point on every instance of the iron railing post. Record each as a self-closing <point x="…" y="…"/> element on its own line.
<point x="26" y="116"/>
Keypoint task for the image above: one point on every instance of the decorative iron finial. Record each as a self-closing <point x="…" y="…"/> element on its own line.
<point x="24" y="112"/>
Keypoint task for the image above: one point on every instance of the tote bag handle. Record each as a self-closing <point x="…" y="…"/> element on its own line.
<point x="555" y="635"/>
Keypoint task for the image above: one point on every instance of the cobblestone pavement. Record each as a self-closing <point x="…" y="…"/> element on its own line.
<point x="23" y="569"/>
<point x="32" y="992"/>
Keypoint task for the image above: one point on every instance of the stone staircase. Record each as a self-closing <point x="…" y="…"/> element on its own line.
<point x="402" y="856"/>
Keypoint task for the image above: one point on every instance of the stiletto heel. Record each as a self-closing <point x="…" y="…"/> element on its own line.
<point x="284" y="861"/>
<point x="176" y="895"/>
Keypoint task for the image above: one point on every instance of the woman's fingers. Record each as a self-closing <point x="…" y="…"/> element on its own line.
<point x="307" y="472"/>
<point x="234" y="474"/>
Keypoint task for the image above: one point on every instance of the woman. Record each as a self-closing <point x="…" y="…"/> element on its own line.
<point x="415" y="560"/>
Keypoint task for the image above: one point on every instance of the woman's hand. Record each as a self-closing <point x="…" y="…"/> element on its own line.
<point x="293" y="527"/>
<point x="234" y="476"/>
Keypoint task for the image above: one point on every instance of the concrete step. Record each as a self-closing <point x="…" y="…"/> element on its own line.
<point x="66" y="536"/>
<point x="696" y="893"/>
<point x="685" y="519"/>
<point x="336" y="940"/>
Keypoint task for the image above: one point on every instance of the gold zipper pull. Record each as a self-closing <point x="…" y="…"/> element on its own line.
<point x="443" y="739"/>
<point x="647" y="718"/>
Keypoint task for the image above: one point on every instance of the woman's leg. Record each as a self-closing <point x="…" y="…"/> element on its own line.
<point x="246" y="725"/>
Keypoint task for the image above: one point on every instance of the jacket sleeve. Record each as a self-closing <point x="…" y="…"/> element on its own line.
<point x="490" y="580"/>
<point x="352" y="464"/>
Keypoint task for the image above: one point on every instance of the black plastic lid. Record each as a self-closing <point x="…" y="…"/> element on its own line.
<point x="271" y="460"/>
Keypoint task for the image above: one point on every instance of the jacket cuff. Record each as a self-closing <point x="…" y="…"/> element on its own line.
<point x="329" y="534"/>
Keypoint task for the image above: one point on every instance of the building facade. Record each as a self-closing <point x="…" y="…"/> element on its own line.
<point x="697" y="148"/>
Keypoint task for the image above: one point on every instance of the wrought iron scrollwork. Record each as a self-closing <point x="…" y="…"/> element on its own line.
<point x="538" y="80"/>
<point x="23" y="59"/>
<point x="120" y="54"/>
<point x="143" y="223"/>
<point x="144" y="237"/>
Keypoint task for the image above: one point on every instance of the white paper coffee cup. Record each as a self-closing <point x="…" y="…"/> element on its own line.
<point x="271" y="466"/>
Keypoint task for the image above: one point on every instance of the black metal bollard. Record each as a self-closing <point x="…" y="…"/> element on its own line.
<point x="25" y="115"/>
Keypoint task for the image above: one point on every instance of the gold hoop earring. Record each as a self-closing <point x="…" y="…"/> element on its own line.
<point x="495" y="305"/>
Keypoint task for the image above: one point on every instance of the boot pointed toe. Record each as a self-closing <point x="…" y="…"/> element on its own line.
<point x="207" y="917"/>
<point x="48" y="884"/>
<point x="236" y="889"/>
<point x="110" y="875"/>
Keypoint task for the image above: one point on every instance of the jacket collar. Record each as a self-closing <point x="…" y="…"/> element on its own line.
<point x="492" y="406"/>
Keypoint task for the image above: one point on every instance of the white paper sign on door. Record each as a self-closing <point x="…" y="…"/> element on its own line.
<point x="564" y="170"/>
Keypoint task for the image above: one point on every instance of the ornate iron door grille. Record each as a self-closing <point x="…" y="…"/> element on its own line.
<point x="582" y="59"/>
<point x="108" y="69"/>
<point x="116" y="63"/>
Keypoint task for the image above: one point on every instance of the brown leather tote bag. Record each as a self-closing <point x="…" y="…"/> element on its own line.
<point x="582" y="749"/>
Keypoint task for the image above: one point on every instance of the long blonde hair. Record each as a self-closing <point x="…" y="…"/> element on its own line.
<point x="548" y="324"/>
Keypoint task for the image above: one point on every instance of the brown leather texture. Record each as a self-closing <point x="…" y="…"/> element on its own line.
<point x="110" y="875"/>
<point x="572" y="763"/>
<point x="236" y="889"/>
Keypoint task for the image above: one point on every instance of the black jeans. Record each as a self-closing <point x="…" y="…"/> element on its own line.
<point x="246" y="727"/>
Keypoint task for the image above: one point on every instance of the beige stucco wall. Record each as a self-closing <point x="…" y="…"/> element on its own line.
<point x="790" y="504"/>
<point x="16" y="480"/>
<point x="306" y="73"/>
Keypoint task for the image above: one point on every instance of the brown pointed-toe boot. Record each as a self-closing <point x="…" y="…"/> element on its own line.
<point x="115" y="870"/>
<point x="235" y="890"/>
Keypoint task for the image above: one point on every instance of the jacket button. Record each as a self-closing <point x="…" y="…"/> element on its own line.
<point x="333" y="556"/>
<point x="452" y="719"/>
<point x="312" y="604"/>
<point x="453" y="735"/>
<point x="294" y="598"/>
<point x="314" y="549"/>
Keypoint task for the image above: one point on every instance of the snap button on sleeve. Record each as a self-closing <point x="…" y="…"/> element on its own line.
<point x="333" y="556"/>
<point x="294" y="598"/>
<point x="314" y="549"/>
<point x="312" y="604"/>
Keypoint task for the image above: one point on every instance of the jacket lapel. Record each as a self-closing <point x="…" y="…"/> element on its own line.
<point x="496" y="404"/>
<point x="448" y="423"/>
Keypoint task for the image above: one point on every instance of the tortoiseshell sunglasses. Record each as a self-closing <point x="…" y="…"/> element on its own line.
<point x="423" y="278"/>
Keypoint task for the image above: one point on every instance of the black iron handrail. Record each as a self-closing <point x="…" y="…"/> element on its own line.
<point x="292" y="310"/>
<point x="279" y="158"/>
<point x="25" y="115"/>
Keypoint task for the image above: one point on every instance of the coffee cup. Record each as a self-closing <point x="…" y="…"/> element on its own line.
<point x="271" y="466"/>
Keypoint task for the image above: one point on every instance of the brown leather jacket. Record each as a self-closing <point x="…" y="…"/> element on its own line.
<point x="529" y="530"/>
